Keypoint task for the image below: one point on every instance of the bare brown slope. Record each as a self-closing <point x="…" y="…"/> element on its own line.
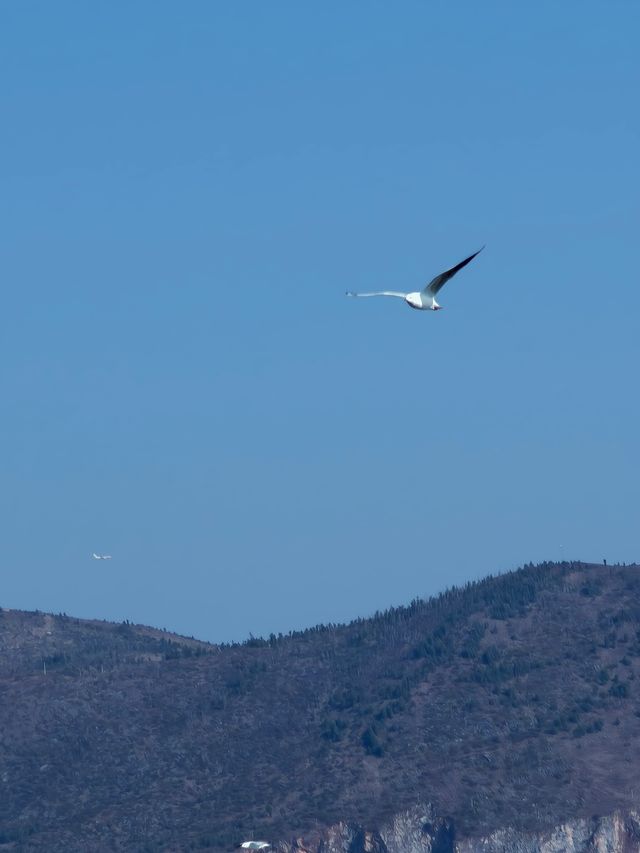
<point x="512" y="701"/>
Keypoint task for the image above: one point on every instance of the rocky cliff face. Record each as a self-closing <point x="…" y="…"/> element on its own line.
<point x="616" y="833"/>
<point x="419" y="831"/>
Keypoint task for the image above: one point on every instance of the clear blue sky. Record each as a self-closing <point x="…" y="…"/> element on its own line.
<point x="187" y="192"/>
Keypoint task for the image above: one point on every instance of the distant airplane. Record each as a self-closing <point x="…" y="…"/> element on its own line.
<point x="255" y="845"/>
<point x="425" y="300"/>
<point x="101" y="556"/>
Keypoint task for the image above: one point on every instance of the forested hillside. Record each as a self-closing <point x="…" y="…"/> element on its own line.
<point x="514" y="700"/>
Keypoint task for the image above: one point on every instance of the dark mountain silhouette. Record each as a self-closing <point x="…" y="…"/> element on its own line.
<point x="514" y="701"/>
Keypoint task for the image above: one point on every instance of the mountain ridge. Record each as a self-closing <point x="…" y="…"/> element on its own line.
<point x="512" y="701"/>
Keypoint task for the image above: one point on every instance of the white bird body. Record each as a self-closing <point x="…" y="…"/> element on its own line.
<point x="424" y="300"/>
<point x="255" y="845"/>
<point x="101" y="556"/>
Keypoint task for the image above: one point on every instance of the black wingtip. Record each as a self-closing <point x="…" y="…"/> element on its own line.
<point x="471" y="257"/>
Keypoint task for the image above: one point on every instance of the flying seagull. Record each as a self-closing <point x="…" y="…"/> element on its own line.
<point x="101" y="556"/>
<point x="255" y="845"/>
<point x="424" y="300"/>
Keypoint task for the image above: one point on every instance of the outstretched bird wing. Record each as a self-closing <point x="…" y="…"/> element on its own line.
<point x="379" y="293"/>
<point x="434" y="286"/>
